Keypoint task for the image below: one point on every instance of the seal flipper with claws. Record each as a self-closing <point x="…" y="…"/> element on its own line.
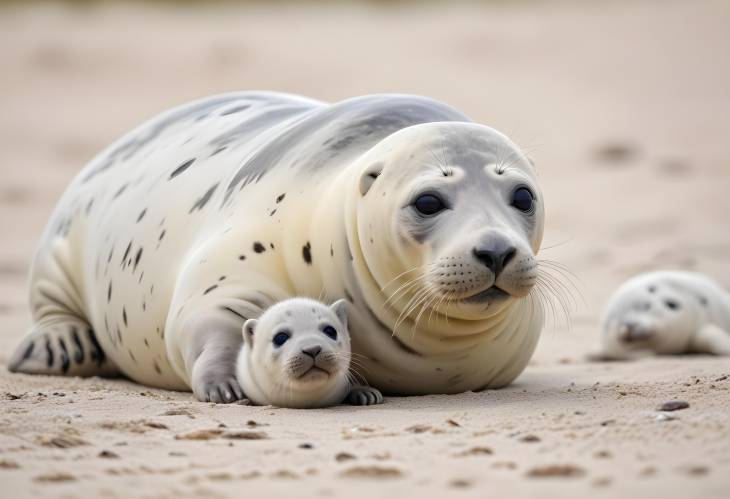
<point x="61" y="341"/>
<point x="66" y="347"/>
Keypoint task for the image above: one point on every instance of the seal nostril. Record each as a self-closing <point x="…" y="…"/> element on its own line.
<point x="495" y="259"/>
<point x="312" y="351"/>
<point x="508" y="256"/>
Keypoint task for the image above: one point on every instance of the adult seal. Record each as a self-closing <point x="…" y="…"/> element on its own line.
<point x="666" y="312"/>
<point x="170" y="239"/>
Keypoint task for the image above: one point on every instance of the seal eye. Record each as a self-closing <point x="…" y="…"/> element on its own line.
<point x="280" y="338"/>
<point x="330" y="331"/>
<point x="428" y="204"/>
<point x="671" y="304"/>
<point x="522" y="199"/>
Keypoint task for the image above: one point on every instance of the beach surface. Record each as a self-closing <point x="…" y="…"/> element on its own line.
<point x="624" y="108"/>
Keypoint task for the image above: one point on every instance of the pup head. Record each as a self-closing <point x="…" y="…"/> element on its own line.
<point x="300" y="352"/>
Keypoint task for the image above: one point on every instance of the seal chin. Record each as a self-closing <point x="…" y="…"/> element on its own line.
<point x="492" y="294"/>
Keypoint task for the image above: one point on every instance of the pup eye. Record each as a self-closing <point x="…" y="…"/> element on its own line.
<point x="330" y="331"/>
<point x="280" y="338"/>
<point x="522" y="199"/>
<point x="671" y="304"/>
<point x="428" y="204"/>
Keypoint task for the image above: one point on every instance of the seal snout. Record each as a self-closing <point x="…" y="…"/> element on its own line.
<point x="495" y="256"/>
<point x="632" y="332"/>
<point x="312" y="351"/>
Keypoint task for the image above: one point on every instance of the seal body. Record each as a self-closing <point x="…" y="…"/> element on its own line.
<point x="667" y="312"/>
<point x="203" y="217"/>
<point x="297" y="354"/>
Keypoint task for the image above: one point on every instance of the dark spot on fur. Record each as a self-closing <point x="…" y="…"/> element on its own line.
<point x="146" y="343"/>
<point x="236" y="109"/>
<point x="332" y="251"/>
<point x="241" y="257"/>
<point x="181" y="168"/>
<point x="200" y="203"/>
<point x="271" y="213"/>
<point x="124" y="316"/>
<point x="258" y="247"/>
<point x="109" y="258"/>
<point x="109" y="293"/>
<point x="229" y="309"/>
<point x="271" y="245"/>
<point x="222" y="278"/>
<point x="131" y="356"/>
<point x="307" y="253"/>
<point x="141" y="215"/>
<point x="89" y="205"/>
<point x="120" y="191"/>
<point x="137" y="258"/>
<point x="280" y="198"/>
<point x="126" y="253"/>
<point x="210" y="289"/>
<point x="157" y="367"/>
<point x="162" y="235"/>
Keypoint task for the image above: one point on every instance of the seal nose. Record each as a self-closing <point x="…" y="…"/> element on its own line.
<point x="496" y="257"/>
<point x="312" y="351"/>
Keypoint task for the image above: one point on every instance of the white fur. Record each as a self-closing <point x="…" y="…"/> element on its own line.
<point x="262" y="366"/>
<point x="667" y="312"/>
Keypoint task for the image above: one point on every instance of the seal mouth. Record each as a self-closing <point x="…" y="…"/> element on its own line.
<point x="489" y="295"/>
<point x="314" y="373"/>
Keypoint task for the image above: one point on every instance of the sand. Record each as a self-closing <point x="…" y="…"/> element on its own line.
<point x="624" y="107"/>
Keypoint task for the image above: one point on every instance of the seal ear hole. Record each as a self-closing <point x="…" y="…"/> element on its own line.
<point x="671" y="304"/>
<point x="249" y="328"/>
<point x="369" y="177"/>
<point x="652" y="289"/>
<point x="703" y="301"/>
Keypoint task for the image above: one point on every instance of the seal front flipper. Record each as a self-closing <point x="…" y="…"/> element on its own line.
<point x="364" y="395"/>
<point x="61" y="346"/>
<point x="711" y="339"/>
<point x="208" y="340"/>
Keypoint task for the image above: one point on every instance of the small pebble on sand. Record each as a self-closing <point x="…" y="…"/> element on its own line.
<point x="673" y="405"/>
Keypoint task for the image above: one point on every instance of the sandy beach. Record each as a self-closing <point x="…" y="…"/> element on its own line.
<point x="622" y="105"/>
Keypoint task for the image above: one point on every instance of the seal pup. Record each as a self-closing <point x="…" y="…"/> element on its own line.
<point x="203" y="217"/>
<point x="666" y="312"/>
<point x="297" y="354"/>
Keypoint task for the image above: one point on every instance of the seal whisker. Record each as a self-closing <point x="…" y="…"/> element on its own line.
<point x="418" y="267"/>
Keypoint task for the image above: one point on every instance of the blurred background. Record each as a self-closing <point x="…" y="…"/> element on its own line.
<point x="623" y="105"/>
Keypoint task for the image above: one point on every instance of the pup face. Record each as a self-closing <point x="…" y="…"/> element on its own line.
<point x="650" y="315"/>
<point x="459" y="209"/>
<point x="299" y="346"/>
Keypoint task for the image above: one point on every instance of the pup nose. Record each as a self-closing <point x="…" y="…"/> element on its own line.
<point x="496" y="257"/>
<point x="312" y="351"/>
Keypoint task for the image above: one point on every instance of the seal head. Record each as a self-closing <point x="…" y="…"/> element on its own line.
<point x="297" y="354"/>
<point x="665" y="312"/>
<point x="458" y="211"/>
